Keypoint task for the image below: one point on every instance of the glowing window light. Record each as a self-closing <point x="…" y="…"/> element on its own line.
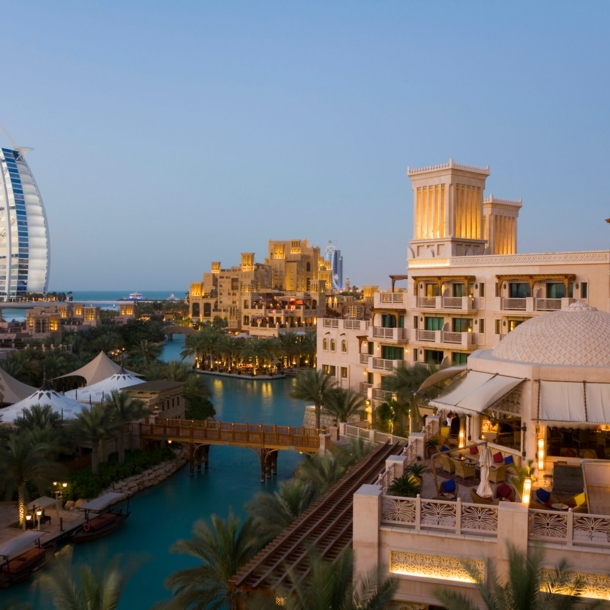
<point x="540" y="454"/>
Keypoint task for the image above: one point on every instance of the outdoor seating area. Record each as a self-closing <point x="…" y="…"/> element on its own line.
<point x="586" y="443"/>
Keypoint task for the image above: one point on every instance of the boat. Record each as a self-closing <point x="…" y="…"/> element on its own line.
<point x="21" y="559"/>
<point x="105" y="523"/>
<point x="135" y="296"/>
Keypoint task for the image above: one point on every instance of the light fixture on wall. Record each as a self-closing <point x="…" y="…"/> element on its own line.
<point x="527" y="491"/>
<point x="540" y="454"/>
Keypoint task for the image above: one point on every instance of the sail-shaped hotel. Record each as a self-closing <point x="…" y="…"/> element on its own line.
<point x="24" y="232"/>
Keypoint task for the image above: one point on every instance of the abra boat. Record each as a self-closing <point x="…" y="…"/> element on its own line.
<point x="104" y="523"/>
<point x="21" y="559"/>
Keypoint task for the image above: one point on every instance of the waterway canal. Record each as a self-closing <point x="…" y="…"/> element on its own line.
<point x="163" y="514"/>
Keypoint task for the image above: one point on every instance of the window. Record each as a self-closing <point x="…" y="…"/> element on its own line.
<point x="371" y="348"/>
<point x="333" y="345"/>
<point x="459" y="290"/>
<point x="388" y="320"/>
<point x="308" y="267"/>
<point x="332" y="371"/>
<point x="234" y="283"/>
<point x="431" y="290"/>
<point x="555" y="291"/>
<point x="462" y="325"/>
<point x="370" y="378"/>
<point x="344" y="346"/>
<point x="246" y="320"/>
<point x="571" y="290"/>
<point x="343" y="372"/>
<point x="584" y="290"/>
<point x="459" y="358"/>
<point x="433" y="356"/>
<point x="498" y="325"/>
<point x="246" y="305"/>
<point x="481" y="325"/>
<point x="195" y="310"/>
<point x="207" y="310"/>
<point x="401" y="322"/>
<point x="389" y="352"/>
<point x="434" y="323"/>
<point x="325" y="368"/>
<point x="325" y="345"/>
<point x="519" y="290"/>
<point x="512" y="324"/>
<point x="481" y="290"/>
<point x="415" y="321"/>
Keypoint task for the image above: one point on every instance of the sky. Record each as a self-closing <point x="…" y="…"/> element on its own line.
<point x="168" y="135"/>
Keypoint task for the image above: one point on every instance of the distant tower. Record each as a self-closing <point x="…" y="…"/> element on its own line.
<point x="333" y="256"/>
<point x="24" y="233"/>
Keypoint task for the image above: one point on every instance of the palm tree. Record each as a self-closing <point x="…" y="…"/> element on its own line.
<point x="203" y="343"/>
<point x="404" y="383"/>
<point x="93" y="424"/>
<point x="176" y="371"/>
<point x="309" y="347"/>
<point x="290" y="346"/>
<point x="123" y="408"/>
<point x="223" y="547"/>
<point x="24" y="459"/>
<point x="523" y="588"/>
<point x="38" y="417"/>
<point x="344" y="404"/>
<point x="334" y="584"/>
<point x="321" y="472"/>
<point x="313" y="386"/>
<point x="146" y="350"/>
<point x="273" y="513"/>
<point x="100" y="590"/>
<point x="57" y="363"/>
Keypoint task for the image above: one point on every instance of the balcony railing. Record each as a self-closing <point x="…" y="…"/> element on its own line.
<point x="442" y="336"/>
<point x="461" y="303"/>
<point x="397" y="334"/>
<point x="569" y="528"/>
<point x="392" y="297"/>
<point x="351" y="324"/>
<point x="429" y="302"/>
<point x="364" y="387"/>
<point x="548" y="304"/>
<point x="519" y="304"/>
<point x="331" y="323"/>
<point x="379" y="394"/>
<point x="386" y="365"/>
<point x="533" y="304"/>
<point x="426" y="335"/>
<point x="459" y="517"/>
<point x="364" y="358"/>
<point x="452" y="337"/>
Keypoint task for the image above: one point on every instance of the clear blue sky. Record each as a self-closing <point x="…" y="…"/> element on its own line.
<point x="171" y="134"/>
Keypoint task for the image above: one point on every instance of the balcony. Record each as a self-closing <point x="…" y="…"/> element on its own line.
<point x="463" y="339"/>
<point x="392" y="300"/>
<point x="387" y="365"/>
<point x="364" y="388"/>
<point x="390" y="334"/>
<point x="330" y="323"/>
<point x="364" y="359"/>
<point x="379" y="394"/>
<point x="455" y="303"/>
<point x="531" y="304"/>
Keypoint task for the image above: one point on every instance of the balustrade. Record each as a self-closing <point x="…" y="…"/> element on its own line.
<point x="427" y="302"/>
<point x="364" y="358"/>
<point x="548" y="304"/>
<point x="397" y="334"/>
<point x="386" y="365"/>
<point x="392" y="297"/>
<point x="426" y="335"/>
<point x="569" y="527"/>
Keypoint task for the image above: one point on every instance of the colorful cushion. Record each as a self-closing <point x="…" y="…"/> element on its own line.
<point x="504" y="491"/>
<point x="449" y="485"/>
<point x="570" y="453"/>
<point x="474" y="450"/>
<point x="444" y="448"/>
<point x="508" y="460"/>
<point x="498" y="458"/>
<point x="580" y="499"/>
<point x="543" y="495"/>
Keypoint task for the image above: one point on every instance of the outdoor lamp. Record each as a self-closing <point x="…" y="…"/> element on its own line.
<point x="64" y="485"/>
<point x="540" y="454"/>
<point x="28" y="517"/>
<point x="527" y="490"/>
<point x="461" y="436"/>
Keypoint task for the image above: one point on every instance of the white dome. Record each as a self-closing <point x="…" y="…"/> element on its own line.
<point x="576" y="336"/>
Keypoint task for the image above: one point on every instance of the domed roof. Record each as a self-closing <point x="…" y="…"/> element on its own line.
<point x="577" y="336"/>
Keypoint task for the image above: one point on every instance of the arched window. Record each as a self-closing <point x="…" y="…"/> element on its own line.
<point x="325" y="345"/>
<point x="333" y="345"/>
<point x="246" y="305"/>
<point x="246" y="320"/>
<point x="308" y="267"/>
<point x="207" y="310"/>
<point x="195" y="310"/>
<point x="344" y="346"/>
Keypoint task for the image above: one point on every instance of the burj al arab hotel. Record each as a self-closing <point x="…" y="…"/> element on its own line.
<point x="24" y="232"/>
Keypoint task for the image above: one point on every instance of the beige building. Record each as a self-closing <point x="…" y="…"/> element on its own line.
<point x="287" y="291"/>
<point x="165" y="397"/>
<point x="51" y="320"/>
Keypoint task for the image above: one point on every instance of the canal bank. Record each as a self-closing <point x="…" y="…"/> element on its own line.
<point x="165" y="513"/>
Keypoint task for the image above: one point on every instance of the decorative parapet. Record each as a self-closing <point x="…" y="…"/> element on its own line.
<point x="505" y="260"/>
<point x="451" y="165"/>
<point x="594" y="586"/>
<point x="492" y="199"/>
<point x="433" y="566"/>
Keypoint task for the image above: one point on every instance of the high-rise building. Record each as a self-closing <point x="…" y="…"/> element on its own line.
<point x="24" y="233"/>
<point x="335" y="260"/>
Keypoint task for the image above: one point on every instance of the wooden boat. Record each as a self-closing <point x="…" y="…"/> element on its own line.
<point x="104" y="523"/>
<point x="21" y="562"/>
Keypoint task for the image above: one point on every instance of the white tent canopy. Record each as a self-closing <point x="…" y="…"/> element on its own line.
<point x="441" y="375"/>
<point x="476" y="392"/>
<point x="63" y="405"/>
<point x="102" y="389"/>
<point x="18" y="543"/>
<point x="13" y="390"/>
<point x="104" y="501"/>
<point x="101" y="367"/>
<point x="578" y="402"/>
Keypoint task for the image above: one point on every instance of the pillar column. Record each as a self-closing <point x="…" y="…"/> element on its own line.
<point x="367" y="518"/>
<point x="513" y="522"/>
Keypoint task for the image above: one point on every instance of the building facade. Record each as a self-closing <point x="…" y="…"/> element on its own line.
<point x="24" y="233"/>
<point x="285" y="292"/>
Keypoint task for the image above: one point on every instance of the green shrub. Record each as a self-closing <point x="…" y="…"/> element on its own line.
<point x="85" y="484"/>
<point x="406" y="486"/>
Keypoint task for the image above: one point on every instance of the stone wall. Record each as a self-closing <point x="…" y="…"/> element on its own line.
<point x="326" y="421"/>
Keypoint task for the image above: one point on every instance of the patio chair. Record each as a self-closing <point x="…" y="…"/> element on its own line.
<point x="578" y="503"/>
<point x="450" y="486"/>
<point x="447" y="463"/>
<point x="498" y="475"/>
<point x="464" y="470"/>
<point x="477" y="499"/>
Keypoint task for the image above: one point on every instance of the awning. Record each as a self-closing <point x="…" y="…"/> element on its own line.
<point x="43" y="502"/>
<point x="18" y="543"/>
<point x="476" y="392"/>
<point x="578" y="402"/>
<point x="441" y="375"/>
<point x="104" y="501"/>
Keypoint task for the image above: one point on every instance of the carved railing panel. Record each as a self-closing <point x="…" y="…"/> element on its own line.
<point x="547" y="524"/>
<point x="591" y="528"/>
<point x="478" y="518"/>
<point x="398" y="510"/>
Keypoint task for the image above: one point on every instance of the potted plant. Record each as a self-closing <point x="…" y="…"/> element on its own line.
<point x="431" y="446"/>
<point x="417" y="471"/>
<point x="406" y="486"/>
